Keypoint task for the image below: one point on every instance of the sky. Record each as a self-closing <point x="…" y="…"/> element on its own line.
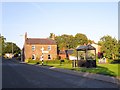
<point x="94" y="19"/>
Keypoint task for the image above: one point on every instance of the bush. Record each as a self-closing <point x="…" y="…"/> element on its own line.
<point x="33" y="61"/>
<point x="110" y="60"/>
<point x="115" y="61"/>
<point x="67" y="61"/>
<point x="57" y="62"/>
<point x="37" y="62"/>
<point x="51" y="61"/>
<point x="18" y="58"/>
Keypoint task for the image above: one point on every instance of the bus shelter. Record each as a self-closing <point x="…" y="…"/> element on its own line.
<point x="87" y="62"/>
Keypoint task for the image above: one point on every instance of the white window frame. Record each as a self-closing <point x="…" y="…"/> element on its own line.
<point x="33" y="47"/>
<point x="49" y="47"/>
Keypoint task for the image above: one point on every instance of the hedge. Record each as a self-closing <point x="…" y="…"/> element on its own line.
<point x="49" y="61"/>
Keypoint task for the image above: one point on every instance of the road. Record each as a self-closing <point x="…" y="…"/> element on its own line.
<point x="20" y="75"/>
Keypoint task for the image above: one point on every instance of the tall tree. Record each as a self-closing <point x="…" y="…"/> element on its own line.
<point x="109" y="46"/>
<point x="2" y="44"/>
<point x="80" y="39"/>
<point x="70" y="42"/>
<point x="64" y="41"/>
<point x="11" y="47"/>
<point x="119" y="49"/>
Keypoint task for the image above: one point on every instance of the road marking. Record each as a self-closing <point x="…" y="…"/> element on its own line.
<point x="51" y="67"/>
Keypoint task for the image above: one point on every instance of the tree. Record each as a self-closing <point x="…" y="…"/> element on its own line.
<point x="64" y="41"/>
<point x="70" y="42"/>
<point x="91" y="41"/>
<point x="119" y="49"/>
<point x="6" y="47"/>
<point x="9" y="46"/>
<point x="51" y="34"/>
<point x="109" y="46"/>
<point x="80" y="39"/>
<point x="2" y="44"/>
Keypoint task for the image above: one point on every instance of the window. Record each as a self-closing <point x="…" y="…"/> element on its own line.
<point x="49" y="47"/>
<point x="33" y="47"/>
<point x="49" y="57"/>
<point x="33" y="57"/>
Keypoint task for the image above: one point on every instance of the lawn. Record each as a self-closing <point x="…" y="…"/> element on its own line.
<point x="112" y="67"/>
<point x="105" y="69"/>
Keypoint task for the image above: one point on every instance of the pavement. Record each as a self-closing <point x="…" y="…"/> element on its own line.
<point x="100" y="77"/>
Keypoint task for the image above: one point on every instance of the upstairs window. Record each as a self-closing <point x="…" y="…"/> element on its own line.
<point x="49" y="47"/>
<point x="33" y="47"/>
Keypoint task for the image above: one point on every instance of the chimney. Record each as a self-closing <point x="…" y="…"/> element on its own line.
<point x="25" y="36"/>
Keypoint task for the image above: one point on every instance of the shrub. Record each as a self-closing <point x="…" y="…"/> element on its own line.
<point x="58" y="58"/>
<point x="67" y="61"/>
<point x="115" y="61"/>
<point x="18" y="58"/>
<point x="32" y="61"/>
<point x="52" y="61"/>
<point x="37" y="62"/>
<point x="49" y="61"/>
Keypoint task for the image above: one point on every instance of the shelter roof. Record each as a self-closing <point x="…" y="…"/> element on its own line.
<point x="84" y="48"/>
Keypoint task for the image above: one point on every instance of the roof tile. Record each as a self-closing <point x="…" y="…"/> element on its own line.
<point x="43" y="41"/>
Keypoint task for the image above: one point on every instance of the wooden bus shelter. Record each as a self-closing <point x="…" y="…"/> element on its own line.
<point x="88" y="62"/>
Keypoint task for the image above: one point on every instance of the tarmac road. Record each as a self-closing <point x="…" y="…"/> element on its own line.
<point x="21" y="75"/>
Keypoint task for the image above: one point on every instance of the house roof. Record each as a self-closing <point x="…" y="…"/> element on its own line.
<point x="65" y="51"/>
<point x="61" y="52"/>
<point x="87" y="47"/>
<point x="43" y="41"/>
<point x="69" y="51"/>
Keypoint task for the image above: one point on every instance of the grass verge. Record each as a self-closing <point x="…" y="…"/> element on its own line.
<point x="104" y="69"/>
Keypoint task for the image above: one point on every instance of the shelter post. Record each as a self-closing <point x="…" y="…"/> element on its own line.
<point x="95" y="54"/>
<point x="86" y="55"/>
<point x="77" y="59"/>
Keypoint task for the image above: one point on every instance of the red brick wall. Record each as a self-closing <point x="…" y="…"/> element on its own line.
<point x="29" y="52"/>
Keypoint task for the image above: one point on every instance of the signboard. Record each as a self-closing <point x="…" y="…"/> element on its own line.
<point x="45" y="52"/>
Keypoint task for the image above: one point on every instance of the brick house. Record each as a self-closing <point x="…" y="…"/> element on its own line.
<point x="39" y="48"/>
<point x="98" y="47"/>
<point x="65" y="54"/>
<point x="62" y="54"/>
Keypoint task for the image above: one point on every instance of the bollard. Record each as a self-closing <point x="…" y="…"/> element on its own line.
<point x="42" y="62"/>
